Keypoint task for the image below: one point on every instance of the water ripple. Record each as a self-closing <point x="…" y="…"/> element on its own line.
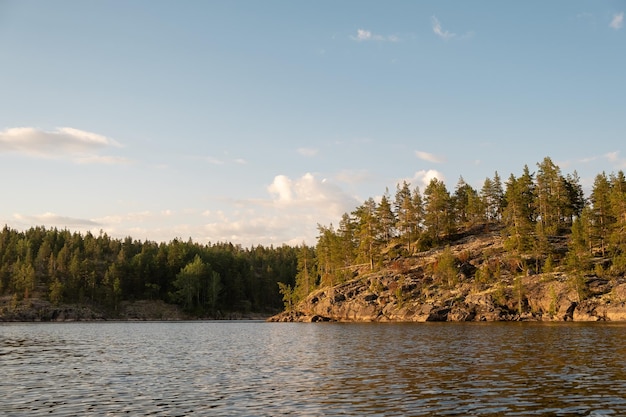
<point x="269" y="369"/>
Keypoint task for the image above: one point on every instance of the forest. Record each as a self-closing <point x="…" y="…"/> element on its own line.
<point x="543" y="215"/>
<point x="205" y="280"/>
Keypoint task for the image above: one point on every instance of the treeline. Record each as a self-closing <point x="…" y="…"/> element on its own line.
<point x="544" y="217"/>
<point x="207" y="280"/>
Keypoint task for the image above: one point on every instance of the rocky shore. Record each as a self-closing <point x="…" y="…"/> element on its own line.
<point x="407" y="291"/>
<point x="36" y="309"/>
<point x="39" y="310"/>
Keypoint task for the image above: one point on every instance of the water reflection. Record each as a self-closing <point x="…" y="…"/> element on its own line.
<point x="239" y="368"/>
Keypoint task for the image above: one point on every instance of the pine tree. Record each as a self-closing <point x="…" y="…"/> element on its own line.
<point x="327" y="252"/>
<point x="404" y="208"/>
<point x="602" y="219"/>
<point x="386" y="220"/>
<point x="367" y="226"/>
<point x="306" y="278"/>
<point x="519" y="214"/>
<point x="617" y="237"/>
<point x="575" y="197"/>
<point x="492" y="196"/>
<point x="417" y="215"/>
<point x="466" y="204"/>
<point x="438" y="210"/>
<point x="551" y="197"/>
<point x="578" y="256"/>
<point x="346" y="241"/>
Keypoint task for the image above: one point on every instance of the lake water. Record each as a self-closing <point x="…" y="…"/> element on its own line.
<point x="272" y="369"/>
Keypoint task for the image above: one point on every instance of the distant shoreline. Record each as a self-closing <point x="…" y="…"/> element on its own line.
<point x="41" y="311"/>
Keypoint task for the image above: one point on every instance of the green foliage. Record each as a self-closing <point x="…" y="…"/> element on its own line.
<point x="288" y="296"/>
<point x="446" y="270"/>
<point x="67" y="267"/>
<point x="399" y="293"/>
<point x="618" y="265"/>
<point x="519" y="215"/>
<point x="438" y="217"/>
<point x="376" y="286"/>
<point x="532" y="213"/>
<point x="519" y="293"/>
<point x="189" y="283"/>
<point x="578" y="283"/>
<point x="56" y="292"/>
<point x="553" y="301"/>
<point x="306" y="278"/>
<point x="492" y="199"/>
<point x="548" y="266"/>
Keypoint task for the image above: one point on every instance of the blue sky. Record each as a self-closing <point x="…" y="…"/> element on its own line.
<point x="252" y="121"/>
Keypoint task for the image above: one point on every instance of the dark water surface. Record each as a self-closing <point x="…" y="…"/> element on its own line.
<point x="270" y="369"/>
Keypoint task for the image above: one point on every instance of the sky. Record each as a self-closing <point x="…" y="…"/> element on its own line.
<point x="252" y="122"/>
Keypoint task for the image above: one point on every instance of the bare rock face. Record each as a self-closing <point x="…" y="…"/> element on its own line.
<point x="409" y="291"/>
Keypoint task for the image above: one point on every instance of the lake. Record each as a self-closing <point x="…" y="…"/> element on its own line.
<point x="269" y="369"/>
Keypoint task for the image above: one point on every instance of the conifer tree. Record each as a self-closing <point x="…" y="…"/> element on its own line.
<point x="602" y="219"/>
<point x="551" y="197"/>
<point x="466" y="204"/>
<point x="438" y="210"/>
<point x="579" y="250"/>
<point x="306" y="278"/>
<point x="327" y="252"/>
<point x="404" y="207"/>
<point x="519" y="213"/>
<point x="346" y="240"/>
<point x="617" y="236"/>
<point x="492" y="196"/>
<point x="409" y="212"/>
<point x="417" y="216"/>
<point x="386" y="220"/>
<point x="575" y="197"/>
<point x="367" y="225"/>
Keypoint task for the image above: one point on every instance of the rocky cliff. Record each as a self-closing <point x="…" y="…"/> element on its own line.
<point x="410" y="290"/>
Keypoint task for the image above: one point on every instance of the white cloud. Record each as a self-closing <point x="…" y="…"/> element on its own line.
<point x="214" y="161"/>
<point x="423" y="177"/>
<point x="51" y="219"/>
<point x="217" y="161"/>
<point x="63" y="142"/>
<point x="588" y="159"/>
<point x="612" y="156"/>
<point x="353" y="177"/>
<point x="617" y="161"/>
<point x="366" y="35"/>
<point x="446" y="35"/>
<point x="249" y="230"/>
<point x="362" y="35"/>
<point x="105" y="160"/>
<point x="425" y="156"/>
<point x="438" y="30"/>
<point x="618" y="21"/>
<point x="290" y="215"/>
<point x="135" y="217"/>
<point x="282" y="187"/>
<point x="310" y="193"/>
<point x="307" y="151"/>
